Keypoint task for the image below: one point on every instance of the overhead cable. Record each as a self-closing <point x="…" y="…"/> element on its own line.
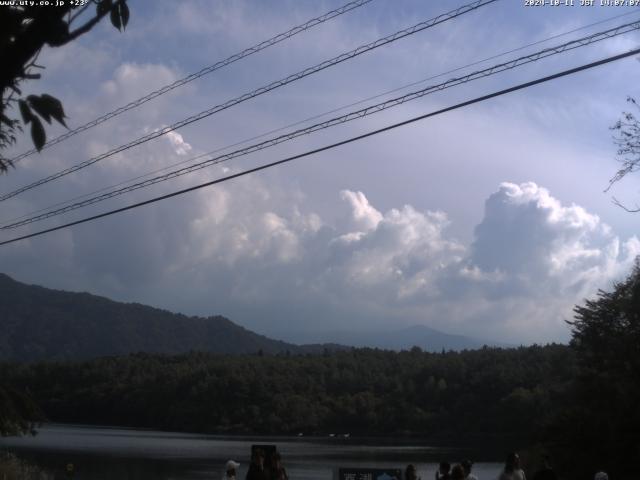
<point x="331" y="146"/>
<point x="372" y="109"/>
<point x="201" y="73"/>
<point x="260" y="91"/>
<point x="315" y="117"/>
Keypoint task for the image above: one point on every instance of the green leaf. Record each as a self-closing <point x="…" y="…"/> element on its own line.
<point x="116" y="20"/>
<point x="54" y="108"/>
<point x="40" y="107"/>
<point x="120" y="15"/>
<point x="25" y="111"/>
<point x="124" y="13"/>
<point x="37" y="133"/>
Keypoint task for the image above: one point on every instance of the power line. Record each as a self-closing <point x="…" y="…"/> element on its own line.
<point x="372" y="109"/>
<point x="205" y="71"/>
<point x="315" y="117"/>
<point x="338" y="120"/>
<point x="334" y="145"/>
<point x="272" y="86"/>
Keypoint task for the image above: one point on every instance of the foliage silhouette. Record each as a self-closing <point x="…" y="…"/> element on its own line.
<point x="24" y="31"/>
<point x="627" y="138"/>
<point x="599" y="426"/>
<point x="484" y="393"/>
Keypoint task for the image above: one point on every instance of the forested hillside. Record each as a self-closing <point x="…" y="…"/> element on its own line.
<point x="38" y="323"/>
<point x="579" y="402"/>
<point x="485" y="392"/>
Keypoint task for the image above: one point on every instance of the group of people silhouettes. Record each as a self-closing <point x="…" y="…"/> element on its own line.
<point x="267" y="465"/>
<point x="512" y="471"/>
<point x="460" y="471"/>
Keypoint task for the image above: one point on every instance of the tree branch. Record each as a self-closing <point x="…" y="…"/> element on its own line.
<point x="85" y="28"/>
<point x="88" y="25"/>
<point x="624" y="207"/>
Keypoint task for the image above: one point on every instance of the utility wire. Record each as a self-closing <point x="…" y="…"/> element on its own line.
<point x="315" y="117"/>
<point x="333" y="145"/>
<point x="272" y="86"/>
<point x="205" y="71"/>
<point x="372" y="109"/>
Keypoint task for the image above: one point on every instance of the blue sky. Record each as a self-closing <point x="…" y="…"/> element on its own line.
<point x="488" y="221"/>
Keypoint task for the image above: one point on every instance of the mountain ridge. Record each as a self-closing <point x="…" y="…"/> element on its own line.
<point x="38" y="323"/>
<point x="402" y="338"/>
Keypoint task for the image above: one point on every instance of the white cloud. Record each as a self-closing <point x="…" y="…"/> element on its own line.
<point x="133" y="80"/>
<point x="531" y="261"/>
<point x="525" y="231"/>
<point x="534" y="259"/>
<point x="365" y="217"/>
<point x="177" y="142"/>
<point x="397" y="252"/>
<point x="259" y="243"/>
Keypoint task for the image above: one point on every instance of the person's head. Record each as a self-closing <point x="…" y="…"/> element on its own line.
<point x="601" y="476"/>
<point x="257" y="457"/>
<point x="466" y="466"/>
<point x="457" y="473"/>
<point x="512" y="462"/>
<point x="410" y="472"/>
<point x="546" y="461"/>
<point x="445" y="467"/>
<point x="231" y="468"/>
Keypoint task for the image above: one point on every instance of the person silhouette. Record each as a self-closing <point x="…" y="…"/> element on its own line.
<point x="230" y="469"/>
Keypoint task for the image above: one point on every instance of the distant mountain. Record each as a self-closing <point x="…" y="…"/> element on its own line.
<point x="426" y="338"/>
<point x="37" y="323"/>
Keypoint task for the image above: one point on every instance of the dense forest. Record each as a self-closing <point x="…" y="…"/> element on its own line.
<point x="578" y="402"/>
<point x="487" y="391"/>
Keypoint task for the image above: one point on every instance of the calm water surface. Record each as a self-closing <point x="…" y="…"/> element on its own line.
<point x="114" y="453"/>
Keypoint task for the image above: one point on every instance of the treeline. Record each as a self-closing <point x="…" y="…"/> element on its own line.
<point x="579" y="402"/>
<point x="363" y="391"/>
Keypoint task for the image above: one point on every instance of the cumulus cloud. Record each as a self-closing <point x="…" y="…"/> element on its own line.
<point x="133" y="80"/>
<point x="532" y="259"/>
<point x="398" y="253"/>
<point x="177" y="142"/>
<point x="528" y="235"/>
<point x="262" y="253"/>
<point x="248" y="247"/>
<point x="258" y="253"/>
<point x="364" y="215"/>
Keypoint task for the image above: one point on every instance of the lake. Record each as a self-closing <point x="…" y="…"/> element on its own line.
<point x="101" y="453"/>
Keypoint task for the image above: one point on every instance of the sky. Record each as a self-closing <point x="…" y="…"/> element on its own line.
<point x="489" y="221"/>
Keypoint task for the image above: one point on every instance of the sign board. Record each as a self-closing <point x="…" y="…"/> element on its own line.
<point x="369" y="474"/>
